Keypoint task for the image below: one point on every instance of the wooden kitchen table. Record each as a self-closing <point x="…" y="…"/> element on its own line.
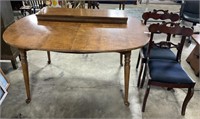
<point x="29" y="33"/>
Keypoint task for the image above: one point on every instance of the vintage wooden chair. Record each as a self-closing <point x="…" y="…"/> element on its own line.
<point x="168" y="73"/>
<point x="158" y="54"/>
<point x="36" y="4"/>
<point x="78" y="4"/>
<point x="93" y="4"/>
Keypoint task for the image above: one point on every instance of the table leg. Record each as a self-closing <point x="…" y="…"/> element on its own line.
<point x="126" y="76"/>
<point x="25" y="74"/>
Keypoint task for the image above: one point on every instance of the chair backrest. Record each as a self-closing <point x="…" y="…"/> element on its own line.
<point x="37" y="4"/>
<point x="160" y="14"/>
<point x="169" y="28"/>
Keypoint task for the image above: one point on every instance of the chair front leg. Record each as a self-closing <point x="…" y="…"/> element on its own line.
<point x="138" y="61"/>
<point x="187" y="99"/>
<point x="145" y="98"/>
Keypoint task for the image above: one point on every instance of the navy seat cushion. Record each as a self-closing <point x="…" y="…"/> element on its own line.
<point x="168" y="71"/>
<point x="159" y="53"/>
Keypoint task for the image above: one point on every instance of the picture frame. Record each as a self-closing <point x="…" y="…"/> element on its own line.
<point x="3" y="80"/>
<point x="3" y="93"/>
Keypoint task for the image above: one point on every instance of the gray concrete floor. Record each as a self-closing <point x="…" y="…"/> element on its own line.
<point x="89" y="86"/>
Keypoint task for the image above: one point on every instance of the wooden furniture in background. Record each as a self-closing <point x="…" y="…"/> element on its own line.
<point x="193" y="58"/>
<point x="7" y="52"/>
<point x="93" y="4"/>
<point x="25" y="9"/>
<point x="76" y="37"/>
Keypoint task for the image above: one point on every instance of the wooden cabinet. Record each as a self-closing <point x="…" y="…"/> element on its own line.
<point x="193" y="58"/>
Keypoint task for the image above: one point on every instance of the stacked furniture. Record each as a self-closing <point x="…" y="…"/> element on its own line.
<point x="157" y="53"/>
<point x="168" y="73"/>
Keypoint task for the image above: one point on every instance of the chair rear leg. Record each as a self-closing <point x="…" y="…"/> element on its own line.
<point x="19" y="57"/>
<point x="144" y="75"/>
<point x="14" y="62"/>
<point x="49" y="57"/>
<point x="187" y="99"/>
<point x="138" y="61"/>
<point x="140" y="74"/>
<point x="145" y="98"/>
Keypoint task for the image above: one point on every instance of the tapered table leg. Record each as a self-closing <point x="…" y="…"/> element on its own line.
<point x="25" y="74"/>
<point x="126" y="76"/>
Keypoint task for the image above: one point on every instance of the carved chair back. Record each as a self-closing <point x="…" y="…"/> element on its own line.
<point x="169" y="28"/>
<point x="160" y="14"/>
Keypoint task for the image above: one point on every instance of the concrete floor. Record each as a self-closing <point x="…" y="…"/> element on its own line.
<point x="89" y="86"/>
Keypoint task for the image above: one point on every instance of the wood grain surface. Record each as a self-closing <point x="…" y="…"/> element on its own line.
<point x="29" y="33"/>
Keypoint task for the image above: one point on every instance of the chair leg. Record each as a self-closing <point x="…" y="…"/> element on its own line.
<point x="187" y="99"/>
<point x="138" y="61"/>
<point x="145" y="98"/>
<point x="13" y="62"/>
<point x="49" y="57"/>
<point x="120" y="6"/>
<point x="144" y="75"/>
<point x="140" y="74"/>
<point x="121" y="59"/>
<point x="19" y="57"/>
<point x="169" y="89"/>
<point x="123" y="6"/>
<point x="189" y="40"/>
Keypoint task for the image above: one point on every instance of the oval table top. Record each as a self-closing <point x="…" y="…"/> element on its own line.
<point x="75" y="37"/>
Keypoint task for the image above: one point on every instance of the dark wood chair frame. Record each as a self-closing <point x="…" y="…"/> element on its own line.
<point x="93" y="4"/>
<point x="156" y="15"/>
<point x="177" y="30"/>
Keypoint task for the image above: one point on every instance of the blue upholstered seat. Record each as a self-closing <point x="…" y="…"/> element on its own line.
<point x="158" y="53"/>
<point x="168" y="71"/>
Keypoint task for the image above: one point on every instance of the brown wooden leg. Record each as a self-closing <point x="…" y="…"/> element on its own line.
<point x="123" y="6"/>
<point x="25" y="73"/>
<point x="19" y="57"/>
<point x="121" y="59"/>
<point x="120" y="6"/>
<point x="187" y="99"/>
<point x="144" y="75"/>
<point x="126" y="76"/>
<point x="49" y="57"/>
<point x="140" y="74"/>
<point x="138" y="61"/>
<point x="145" y="98"/>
